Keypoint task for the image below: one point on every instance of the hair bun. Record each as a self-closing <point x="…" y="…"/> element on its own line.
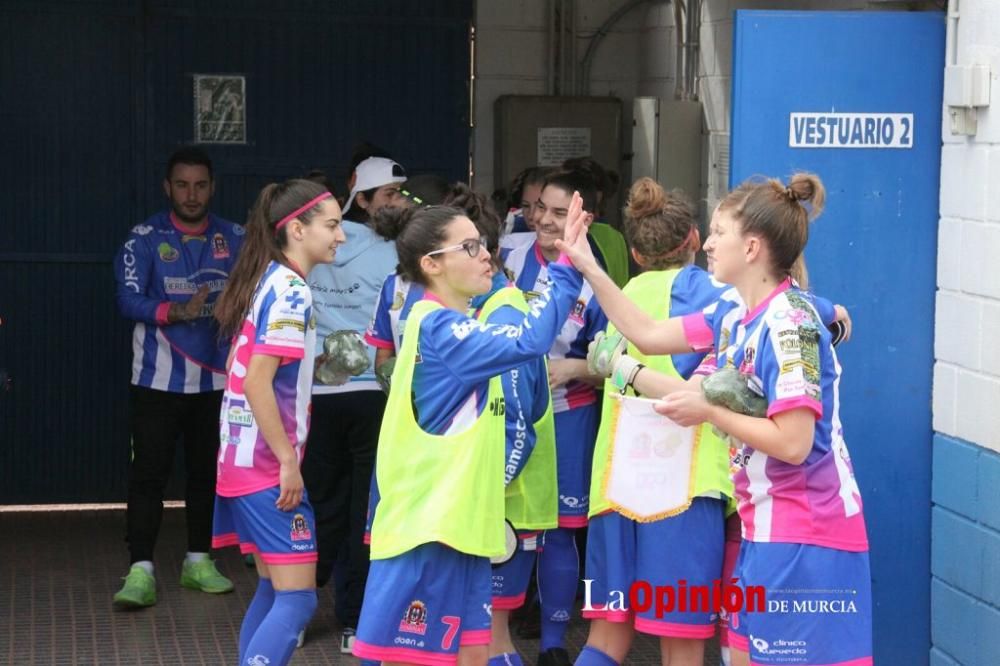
<point x="807" y="187"/>
<point x="645" y="198"/>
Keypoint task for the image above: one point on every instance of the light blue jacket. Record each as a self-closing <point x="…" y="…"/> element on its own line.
<point x="346" y="291"/>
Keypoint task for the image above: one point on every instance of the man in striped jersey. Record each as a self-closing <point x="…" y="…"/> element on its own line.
<point x="170" y="271"/>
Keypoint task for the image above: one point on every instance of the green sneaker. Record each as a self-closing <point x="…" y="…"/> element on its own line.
<point x="138" y="591"/>
<point x="202" y="575"/>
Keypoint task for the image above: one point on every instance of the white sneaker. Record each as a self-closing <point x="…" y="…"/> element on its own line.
<point x="302" y="639"/>
<point x="347" y="641"/>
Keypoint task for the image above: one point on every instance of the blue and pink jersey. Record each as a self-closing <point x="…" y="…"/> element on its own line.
<point x="395" y="300"/>
<point x="786" y="351"/>
<point x="280" y="323"/>
<point x="162" y="263"/>
<point x="532" y="275"/>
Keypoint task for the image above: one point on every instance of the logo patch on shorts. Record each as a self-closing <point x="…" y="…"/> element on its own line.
<point x="300" y="528"/>
<point x="415" y="619"/>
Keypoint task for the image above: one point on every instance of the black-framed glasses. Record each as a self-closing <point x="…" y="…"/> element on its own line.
<point x="471" y="247"/>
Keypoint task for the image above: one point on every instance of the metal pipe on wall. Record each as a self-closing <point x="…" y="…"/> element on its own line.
<point x="679" y="85"/>
<point x="588" y="56"/>
<point x="693" y="25"/>
<point x="550" y="81"/>
<point x="574" y="67"/>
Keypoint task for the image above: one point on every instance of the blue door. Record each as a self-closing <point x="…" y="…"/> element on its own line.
<point x="94" y="96"/>
<point x="856" y="98"/>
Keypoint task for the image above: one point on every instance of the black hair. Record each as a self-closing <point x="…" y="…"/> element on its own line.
<point x="190" y="155"/>
<point x="423" y="230"/>
<point x="319" y="176"/>
<point x="606" y="181"/>
<point x="535" y="175"/>
<point x="576" y="181"/>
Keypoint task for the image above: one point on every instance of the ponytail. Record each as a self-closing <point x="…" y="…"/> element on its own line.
<point x="263" y="244"/>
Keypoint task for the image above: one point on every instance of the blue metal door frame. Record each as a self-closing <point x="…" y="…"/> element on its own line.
<point x="873" y="249"/>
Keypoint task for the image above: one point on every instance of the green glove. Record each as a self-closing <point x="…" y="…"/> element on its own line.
<point x="728" y="388"/>
<point x="603" y="351"/>
<point x="383" y="374"/>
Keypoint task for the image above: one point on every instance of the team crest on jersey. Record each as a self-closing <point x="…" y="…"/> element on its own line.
<point x="300" y="528"/>
<point x="397" y="301"/>
<point x="577" y="313"/>
<point x="220" y="248"/>
<point x="167" y="253"/>
<point x="415" y="619"/>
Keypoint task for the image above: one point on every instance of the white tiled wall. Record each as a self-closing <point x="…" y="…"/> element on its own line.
<point x="967" y="330"/>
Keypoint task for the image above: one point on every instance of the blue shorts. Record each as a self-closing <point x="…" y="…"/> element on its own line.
<point x="256" y="525"/>
<point x="687" y="547"/>
<point x="422" y="605"/>
<point x="818" y="608"/>
<point x="576" y="431"/>
<point x="510" y="579"/>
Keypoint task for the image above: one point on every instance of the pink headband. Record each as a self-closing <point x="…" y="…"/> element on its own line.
<point x="298" y="211"/>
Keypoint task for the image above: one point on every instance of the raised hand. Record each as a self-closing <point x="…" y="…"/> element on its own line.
<point x="574" y="242"/>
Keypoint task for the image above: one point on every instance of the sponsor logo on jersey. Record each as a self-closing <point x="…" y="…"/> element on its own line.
<point x="277" y="324"/>
<point x="220" y="248"/>
<point x="239" y="229"/>
<point x="238" y="416"/>
<point x="141" y="229"/>
<point x="167" y="253"/>
<point x="415" y="619"/>
<point x="300" y="528"/>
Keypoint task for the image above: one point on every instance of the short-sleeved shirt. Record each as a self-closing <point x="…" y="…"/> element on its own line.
<point x="786" y="352"/>
<point x="531" y="275"/>
<point x="280" y="323"/>
<point x="395" y="300"/>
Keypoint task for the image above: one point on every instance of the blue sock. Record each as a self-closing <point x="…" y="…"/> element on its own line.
<point x="275" y="638"/>
<point x="369" y="662"/>
<point x="591" y="656"/>
<point x="506" y="659"/>
<point x="558" y="574"/>
<point x="258" y="608"/>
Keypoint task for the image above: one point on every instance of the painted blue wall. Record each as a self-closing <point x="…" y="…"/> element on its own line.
<point x="965" y="555"/>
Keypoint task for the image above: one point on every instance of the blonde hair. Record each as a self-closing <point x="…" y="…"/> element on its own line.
<point x="780" y="214"/>
<point x="660" y="225"/>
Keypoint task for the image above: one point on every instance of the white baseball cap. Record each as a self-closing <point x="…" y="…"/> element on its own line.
<point x="375" y="172"/>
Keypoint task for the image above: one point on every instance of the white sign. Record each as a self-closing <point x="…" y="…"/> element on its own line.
<point x="850" y="130"/>
<point x="558" y="144"/>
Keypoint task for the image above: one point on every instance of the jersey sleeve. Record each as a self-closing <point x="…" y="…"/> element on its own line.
<point x="788" y="363"/>
<point x="518" y="389"/>
<point x="281" y="323"/>
<point x="379" y="333"/>
<point x="133" y="267"/>
<point x="475" y="351"/>
<point x="594" y="321"/>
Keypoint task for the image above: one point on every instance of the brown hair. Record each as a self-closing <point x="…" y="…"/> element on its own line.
<point x="660" y="225"/>
<point x="262" y="246"/>
<point x="478" y="209"/>
<point x="778" y="213"/>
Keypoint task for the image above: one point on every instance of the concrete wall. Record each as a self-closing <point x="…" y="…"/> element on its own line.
<point x="965" y="560"/>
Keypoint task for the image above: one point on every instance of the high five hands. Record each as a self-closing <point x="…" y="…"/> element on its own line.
<point x="574" y="242"/>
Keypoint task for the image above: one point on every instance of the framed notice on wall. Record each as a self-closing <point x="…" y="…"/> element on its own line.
<point x="220" y="108"/>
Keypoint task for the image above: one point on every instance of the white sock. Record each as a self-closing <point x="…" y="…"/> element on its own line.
<point x="196" y="557"/>
<point x="146" y="566"/>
